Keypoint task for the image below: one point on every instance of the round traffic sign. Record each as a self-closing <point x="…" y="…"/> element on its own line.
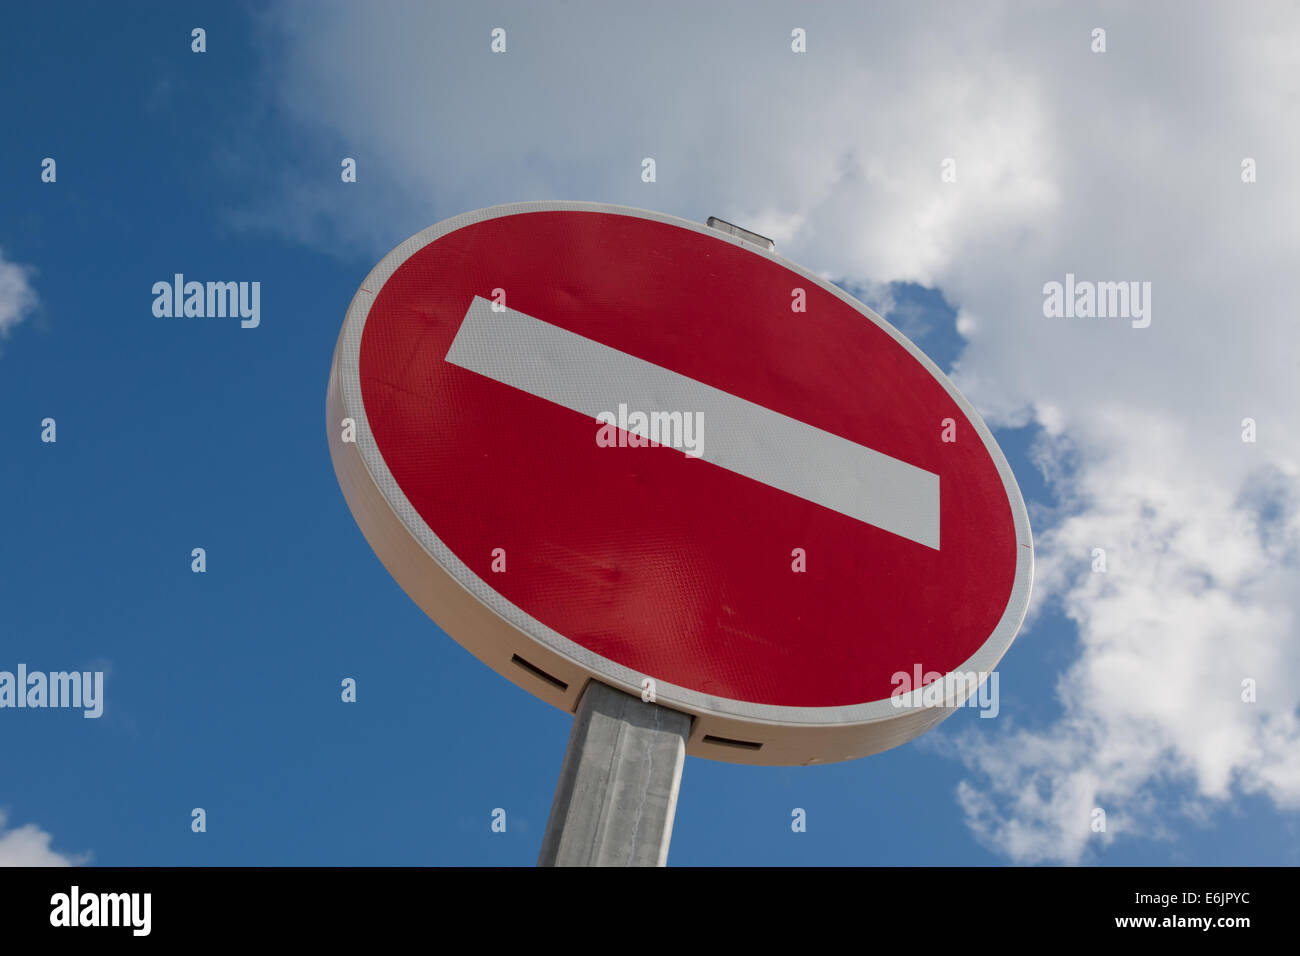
<point x="595" y="442"/>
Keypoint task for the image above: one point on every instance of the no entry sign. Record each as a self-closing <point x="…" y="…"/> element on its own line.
<point x="594" y="442"/>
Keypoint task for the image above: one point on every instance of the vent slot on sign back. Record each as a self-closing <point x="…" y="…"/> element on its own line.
<point x="538" y="672"/>
<point x="728" y="742"/>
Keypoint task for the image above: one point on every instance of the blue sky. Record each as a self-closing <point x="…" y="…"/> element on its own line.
<point x="223" y="688"/>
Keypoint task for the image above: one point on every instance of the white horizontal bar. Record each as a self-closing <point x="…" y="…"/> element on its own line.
<point x="582" y="375"/>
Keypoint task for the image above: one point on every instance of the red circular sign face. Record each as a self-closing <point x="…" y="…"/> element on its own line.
<point x="672" y="461"/>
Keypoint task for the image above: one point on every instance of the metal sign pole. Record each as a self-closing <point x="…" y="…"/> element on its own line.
<point x="617" y="794"/>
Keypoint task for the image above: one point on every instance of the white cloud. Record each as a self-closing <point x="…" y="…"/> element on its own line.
<point x="17" y="297"/>
<point x="29" y="845"/>
<point x="1116" y="166"/>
